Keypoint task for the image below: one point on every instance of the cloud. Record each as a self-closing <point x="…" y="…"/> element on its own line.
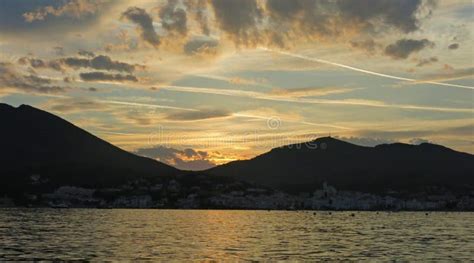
<point x="282" y="23"/>
<point x="427" y="61"/>
<point x="187" y="159"/>
<point x="298" y="20"/>
<point x="37" y="63"/>
<point x="68" y="79"/>
<point x="53" y="18"/>
<point x="453" y="46"/>
<point x="342" y="102"/>
<point x="309" y="92"/>
<point x="193" y="165"/>
<point x="203" y="114"/>
<point x="85" y="53"/>
<point x="239" y="20"/>
<point x="401" y="15"/>
<point x="405" y="47"/>
<point x="99" y="62"/>
<point x="101" y="76"/>
<point x="174" y="18"/>
<point x="59" y="51"/>
<point x="145" y="23"/>
<point x="200" y="15"/>
<point x="418" y="141"/>
<point x="73" y="8"/>
<point x="201" y="46"/>
<point x="464" y="130"/>
<point x="10" y="78"/>
<point x="245" y="81"/>
<point x="72" y="105"/>
<point x="449" y="74"/>
<point x="367" y="71"/>
<point x="414" y="135"/>
<point x="123" y="42"/>
<point x="369" y="45"/>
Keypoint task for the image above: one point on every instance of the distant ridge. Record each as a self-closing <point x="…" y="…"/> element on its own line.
<point x="35" y="142"/>
<point x="397" y="167"/>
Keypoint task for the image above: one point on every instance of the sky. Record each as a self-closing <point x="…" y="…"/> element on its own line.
<point x="198" y="83"/>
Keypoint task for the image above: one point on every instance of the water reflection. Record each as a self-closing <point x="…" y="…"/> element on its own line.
<point x="75" y="234"/>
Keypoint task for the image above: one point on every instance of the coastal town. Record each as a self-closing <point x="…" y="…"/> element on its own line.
<point x="174" y="194"/>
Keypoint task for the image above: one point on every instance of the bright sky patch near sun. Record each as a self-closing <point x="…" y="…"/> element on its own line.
<point x="196" y="83"/>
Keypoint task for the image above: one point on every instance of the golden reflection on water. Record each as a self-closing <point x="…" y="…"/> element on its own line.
<point x="91" y="234"/>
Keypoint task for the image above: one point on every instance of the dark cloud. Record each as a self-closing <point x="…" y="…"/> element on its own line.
<point x="239" y="19"/>
<point x="199" y="8"/>
<point x="301" y="19"/>
<point x="68" y="79"/>
<point x="73" y="8"/>
<point x="10" y="78"/>
<point x="52" y="17"/>
<point x="174" y="18"/>
<point x="427" y="61"/>
<point x="187" y="159"/>
<point x="282" y="22"/>
<point x="201" y="46"/>
<point x="105" y="63"/>
<point x="100" y="62"/>
<point x="145" y="23"/>
<point x="369" y="45"/>
<point x="405" y="47"/>
<point x="198" y="115"/>
<point x="401" y="14"/>
<point x="453" y="46"/>
<point x="76" y="62"/>
<point x="101" y="76"/>
<point x="37" y="63"/>
<point x="85" y="53"/>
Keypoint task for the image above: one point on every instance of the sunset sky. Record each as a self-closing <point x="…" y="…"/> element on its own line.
<point x="195" y="83"/>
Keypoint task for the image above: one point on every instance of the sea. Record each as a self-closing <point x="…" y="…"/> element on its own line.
<point x="233" y="235"/>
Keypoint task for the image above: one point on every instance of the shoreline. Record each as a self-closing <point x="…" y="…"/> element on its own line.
<point x="235" y="209"/>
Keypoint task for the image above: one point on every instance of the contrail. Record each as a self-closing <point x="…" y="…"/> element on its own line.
<point x="290" y="121"/>
<point x="158" y="106"/>
<point x="235" y="114"/>
<point x="363" y="70"/>
<point x="264" y="96"/>
<point x="147" y="105"/>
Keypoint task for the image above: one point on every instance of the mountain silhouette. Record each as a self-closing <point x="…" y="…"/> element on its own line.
<point x="397" y="167"/>
<point x="35" y="142"/>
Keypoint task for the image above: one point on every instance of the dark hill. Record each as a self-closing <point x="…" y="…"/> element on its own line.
<point x="399" y="167"/>
<point x="34" y="142"/>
